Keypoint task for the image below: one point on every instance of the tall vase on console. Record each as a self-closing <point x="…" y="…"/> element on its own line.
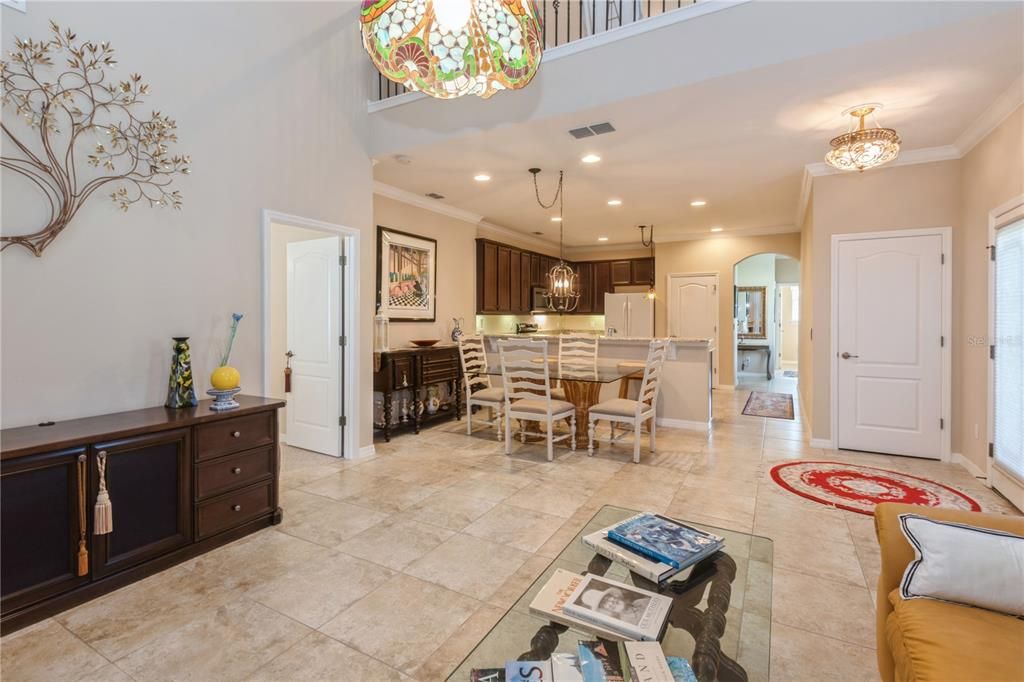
<point x="181" y="392"/>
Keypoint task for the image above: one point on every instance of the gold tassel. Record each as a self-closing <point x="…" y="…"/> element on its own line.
<point x="103" y="512"/>
<point x="83" y="553"/>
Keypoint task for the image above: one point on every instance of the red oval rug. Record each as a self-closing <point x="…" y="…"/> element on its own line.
<point x="859" y="488"/>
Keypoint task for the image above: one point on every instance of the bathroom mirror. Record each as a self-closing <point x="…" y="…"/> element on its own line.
<point x="750" y="312"/>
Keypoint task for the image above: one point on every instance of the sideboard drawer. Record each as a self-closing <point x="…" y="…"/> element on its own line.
<point x="233" y="509"/>
<point x="234" y="471"/>
<point x="234" y="435"/>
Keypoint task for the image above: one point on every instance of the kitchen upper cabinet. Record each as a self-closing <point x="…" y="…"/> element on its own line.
<point x="487" y="277"/>
<point x="44" y="514"/>
<point x="149" y="479"/>
<point x="504" y="291"/>
<point x="622" y="272"/>
<point x="643" y="271"/>
<point x="602" y="285"/>
<point x="515" y="288"/>
<point x="585" y="272"/>
<point x="525" y="277"/>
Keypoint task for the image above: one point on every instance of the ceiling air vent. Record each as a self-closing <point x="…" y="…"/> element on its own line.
<point x="435" y="195"/>
<point x="591" y="130"/>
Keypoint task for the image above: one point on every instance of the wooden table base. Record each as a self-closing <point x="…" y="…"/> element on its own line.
<point x="584" y="395"/>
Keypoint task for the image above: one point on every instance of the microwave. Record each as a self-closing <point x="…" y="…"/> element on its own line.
<point x="539" y="298"/>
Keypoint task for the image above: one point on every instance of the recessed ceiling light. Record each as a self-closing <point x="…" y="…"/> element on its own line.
<point x="556" y="219"/>
<point x="716" y="229"/>
<point x="696" y="203"/>
<point x="615" y="202"/>
<point x="591" y="158"/>
<point x="602" y="239"/>
<point x="481" y="177"/>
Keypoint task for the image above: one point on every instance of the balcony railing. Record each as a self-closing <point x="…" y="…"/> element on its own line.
<point x="566" y="21"/>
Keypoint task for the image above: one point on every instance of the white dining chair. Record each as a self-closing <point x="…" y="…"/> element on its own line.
<point x="575" y="352"/>
<point x="527" y="383"/>
<point x="479" y="392"/>
<point x="633" y="412"/>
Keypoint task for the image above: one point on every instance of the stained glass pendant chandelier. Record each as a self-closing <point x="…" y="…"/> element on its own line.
<point x="563" y="284"/>
<point x="862" y="147"/>
<point x="451" y="48"/>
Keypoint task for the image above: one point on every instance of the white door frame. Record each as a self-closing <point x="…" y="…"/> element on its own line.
<point x="718" y="318"/>
<point x="1002" y="215"/>
<point x="946" y="233"/>
<point x="349" y="399"/>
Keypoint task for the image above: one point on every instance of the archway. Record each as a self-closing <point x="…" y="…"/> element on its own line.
<point x="766" y="318"/>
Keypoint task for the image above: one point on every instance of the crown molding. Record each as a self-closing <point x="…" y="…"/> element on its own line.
<point x="608" y="247"/>
<point x="806" y="183"/>
<point x="997" y="112"/>
<point x="522" y="237"/>
<point x="946" y="152"/>
<point x="426" y="203"/>
<point x="738" y="232"/>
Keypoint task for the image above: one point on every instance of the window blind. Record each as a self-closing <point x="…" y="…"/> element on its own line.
<point x="1008" y="370"/>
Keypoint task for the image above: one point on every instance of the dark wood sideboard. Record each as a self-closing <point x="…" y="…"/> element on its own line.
<point x="181" y="482"/>
<point x="416" y="369"/>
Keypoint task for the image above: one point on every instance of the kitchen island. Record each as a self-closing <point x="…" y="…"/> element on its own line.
<point x="685" y="399"/>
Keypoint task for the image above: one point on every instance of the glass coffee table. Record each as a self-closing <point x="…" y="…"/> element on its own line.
<point x="720" y="621"/>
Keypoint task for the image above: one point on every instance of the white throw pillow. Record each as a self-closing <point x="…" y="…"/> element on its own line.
<point x="964" y="564"/>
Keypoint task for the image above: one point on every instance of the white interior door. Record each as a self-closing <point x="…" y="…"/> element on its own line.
<point x="889" y="367"/>
<point x="314" y="311"/>
<point x="693" y="310"/>
<point x="789" y="325"/>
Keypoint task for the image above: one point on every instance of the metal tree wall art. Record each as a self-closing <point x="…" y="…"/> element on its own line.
<point x="81" y="110"/>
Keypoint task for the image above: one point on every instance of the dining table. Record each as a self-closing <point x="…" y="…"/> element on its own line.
<point x="582" y="384"/>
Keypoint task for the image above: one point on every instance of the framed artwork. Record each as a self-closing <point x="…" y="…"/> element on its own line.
<point x="406" y="275"/>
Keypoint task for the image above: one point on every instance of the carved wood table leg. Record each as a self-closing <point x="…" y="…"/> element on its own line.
<point x="584" y="395"/>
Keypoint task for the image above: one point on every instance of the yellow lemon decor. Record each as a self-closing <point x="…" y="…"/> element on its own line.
<point x="225" y="378"/>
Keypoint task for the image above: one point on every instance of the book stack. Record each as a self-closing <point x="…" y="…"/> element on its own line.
<point x="595" y="661"/>
<point x="654" y="546"/>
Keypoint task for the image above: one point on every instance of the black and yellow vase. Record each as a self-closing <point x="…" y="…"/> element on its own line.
<point x="180" y="390"/>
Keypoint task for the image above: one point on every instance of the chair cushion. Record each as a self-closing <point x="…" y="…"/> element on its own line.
<point x="935" y="640"/>
<point x="622" y="407"/>
<point x="540" y="406"/>
<point x="494" y="395"/>
<point x="558" y="394"/>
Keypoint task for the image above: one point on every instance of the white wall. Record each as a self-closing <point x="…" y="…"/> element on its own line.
<point x="271" y="104"/>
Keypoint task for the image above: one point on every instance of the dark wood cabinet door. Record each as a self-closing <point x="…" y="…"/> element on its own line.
<point x="602" y="284"/>
<point x="515" y="288"/>
<point x="536" y="271"/>
<point x="487" y="277"/>
<point x="40" y="526"/>
<point x="622" y="272"/>
<point x="586" y="282"/>
<point x="643" y="271"/>
<point x="504" y="265"/>
<point x="525" y="274"/>
<point x="149" y="479"/>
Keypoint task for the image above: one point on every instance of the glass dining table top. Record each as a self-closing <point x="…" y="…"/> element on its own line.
<point x="604" y="372"/>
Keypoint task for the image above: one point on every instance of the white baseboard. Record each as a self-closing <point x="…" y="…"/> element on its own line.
<point x="364" y="452"/>
<point x="823" y="443"/>
<point x="725" y="387"/>
<point x="684" y="424"/>
<point x="971" y="467"/>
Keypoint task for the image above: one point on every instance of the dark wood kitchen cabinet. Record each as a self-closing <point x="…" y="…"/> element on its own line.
<point x="181" y="482"/>
<point x="643" y="271"/>
<point x="525" y="278"/>
<point x="585" y="279"/>
<point x="602" y="285"/>
<point x="622" y="272"/>
<point x="515" y="288"/>
<point x="504" y="282"/>
<point x="487" y="276"/>
<point x="149" y="479"/>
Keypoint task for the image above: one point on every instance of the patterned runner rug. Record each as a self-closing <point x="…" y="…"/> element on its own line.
<point x="775" y="405"/>
<point x="859" y="488"/>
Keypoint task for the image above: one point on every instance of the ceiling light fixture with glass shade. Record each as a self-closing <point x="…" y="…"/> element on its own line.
<point x="563" y="284"/>
<point x="863" y="147"/>
<point x="450" y="48"/>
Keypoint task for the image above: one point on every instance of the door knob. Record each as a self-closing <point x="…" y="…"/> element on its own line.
<point x="847" y="356"/>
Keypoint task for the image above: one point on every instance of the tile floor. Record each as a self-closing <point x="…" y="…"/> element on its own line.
<point x="358" y="584"/>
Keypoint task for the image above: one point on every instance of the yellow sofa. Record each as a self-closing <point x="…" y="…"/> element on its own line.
<point x="921" y="640"/>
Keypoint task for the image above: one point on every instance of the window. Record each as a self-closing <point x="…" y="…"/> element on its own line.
<point x="1008" y="365"/>
<point x="794" y="304"/>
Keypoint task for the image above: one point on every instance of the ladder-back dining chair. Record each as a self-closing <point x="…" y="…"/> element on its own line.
<point x="634" y="412"/>
<point x="575" y="352"/>
<point x="527" y="384"/>
<point x="479" y="392"/>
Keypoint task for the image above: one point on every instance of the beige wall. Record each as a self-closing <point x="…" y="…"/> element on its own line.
<point x="272" y="117"/>
<point x="807" y="296"/>
<point x="717" y="254"/>
<point x="456" y="268"/>
<point x="990" y="175"/>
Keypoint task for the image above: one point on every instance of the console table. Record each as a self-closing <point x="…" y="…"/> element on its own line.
<point x="416" y="369"/>
<point x="181" y="482"/>
<point x="757" y="348"/>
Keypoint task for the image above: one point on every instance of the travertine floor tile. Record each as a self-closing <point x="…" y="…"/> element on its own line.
<point x="395" y="542"/>
<point x="46" y="651"/>
<point x="319" y="658"/>
<point x="834" y="609"/>
<point x="470" y="565"/>
<point x="520" y="528"/>
<point x="799" y="655"/>
<point x="451" y="510"/>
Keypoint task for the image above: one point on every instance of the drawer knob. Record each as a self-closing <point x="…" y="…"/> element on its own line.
<point x="237" y="508"/>
<point x="236" y="434"/>
<point x="236" y="470"/>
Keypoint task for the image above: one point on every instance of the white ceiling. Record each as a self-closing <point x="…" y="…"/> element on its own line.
<point x="739" y="141"/>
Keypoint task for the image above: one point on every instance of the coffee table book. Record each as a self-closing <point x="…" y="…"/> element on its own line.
<point x="653" y="570"/>
<point x="664" y="539"/>
<point x="528" y="671"/>
<point x="551" y="599"/>
<point x="625" y="609"/>
<point x="647" y="662"/>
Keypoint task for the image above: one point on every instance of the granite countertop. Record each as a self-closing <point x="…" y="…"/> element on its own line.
<point x="604" y="339"/>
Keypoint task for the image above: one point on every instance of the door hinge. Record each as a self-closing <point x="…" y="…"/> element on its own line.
<point x="342" y="421"/>
<point x="942" y="259"/>
<point x="942" y="424"/>
<point x="992" y="352"/>
<point x="342" y="340"/>
<point x="942" y="342"/>
<point x="992" y="252"/>
<point x="342" y="261"/>
<point x="991" y="450"/>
